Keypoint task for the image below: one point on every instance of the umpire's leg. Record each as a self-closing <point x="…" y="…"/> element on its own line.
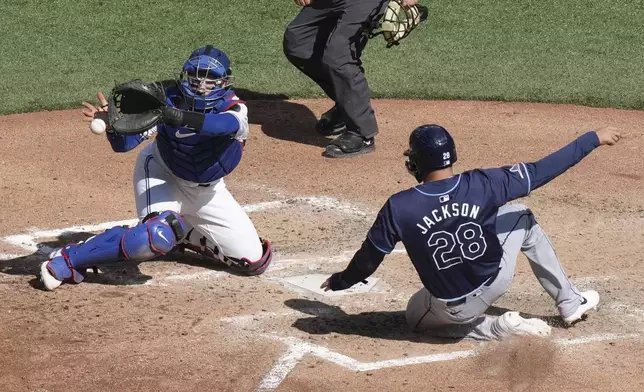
<point x="342" y="59"/>
<point x="305" y="39"/>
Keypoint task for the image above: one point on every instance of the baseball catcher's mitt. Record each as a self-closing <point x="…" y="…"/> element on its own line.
<point x="135" y="106"/>
<point x="397" y="22"/>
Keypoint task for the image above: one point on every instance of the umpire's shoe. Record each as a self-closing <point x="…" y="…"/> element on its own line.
<point x="330" y="123"/>
<point x="349" y="144"/>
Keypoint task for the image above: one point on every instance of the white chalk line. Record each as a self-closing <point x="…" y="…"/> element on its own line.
<point x="283" y="366"/>
<point x="298" y="349"/>
<point x="247" y="319"/>
<point x="28" y="241"/>
<point x="9" y="256"/>
<point x="596" y="338"/>
<point x="203" y="276"/>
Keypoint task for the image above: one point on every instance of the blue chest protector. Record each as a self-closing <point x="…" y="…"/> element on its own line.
<point x="202" y="157"/>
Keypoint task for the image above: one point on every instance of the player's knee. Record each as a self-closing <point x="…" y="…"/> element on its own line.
<point x="291" y="44"/>
<point x="337" y="58"/>
<point x="416" y="306"/>
<point x="156" y="235"/>
<point x="253" y="266"/>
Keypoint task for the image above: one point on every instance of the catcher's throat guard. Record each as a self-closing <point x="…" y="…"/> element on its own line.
<point x="397" y="22"/>
<point x="135" y="106"/>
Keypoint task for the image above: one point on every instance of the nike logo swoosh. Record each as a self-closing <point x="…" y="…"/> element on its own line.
<point x="180" y="135"/>
<point x="162" y="236"/>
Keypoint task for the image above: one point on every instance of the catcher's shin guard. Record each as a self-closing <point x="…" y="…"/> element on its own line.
<point x="155" y="236"/>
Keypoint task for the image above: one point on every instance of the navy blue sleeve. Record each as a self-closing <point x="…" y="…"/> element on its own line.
<point x="384" y="233"/>
<point x="512" y="182"/>
<point x="124" y="143"/>
<point x="218" y="124"/>
<point x="363" y="264"/>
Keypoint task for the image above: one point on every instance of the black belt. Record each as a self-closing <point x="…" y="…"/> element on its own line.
<point x="460" y="301"/>
<point x="205" y="185"/>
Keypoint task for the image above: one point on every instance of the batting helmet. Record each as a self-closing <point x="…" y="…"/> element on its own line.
<point x="431" y="148"/>
<point x="205" y="78"/>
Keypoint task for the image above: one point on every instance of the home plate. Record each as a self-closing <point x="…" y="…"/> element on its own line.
<point x="312" y="283"/>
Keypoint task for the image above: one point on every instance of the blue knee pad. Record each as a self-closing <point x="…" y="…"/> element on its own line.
<point x="157" y="235"/>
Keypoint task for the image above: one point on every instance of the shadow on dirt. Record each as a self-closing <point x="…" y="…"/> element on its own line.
<point x="118" y="273"/>
<point x="281" y="119"/>
<point x="389" y="325"/>
<point x="277" y="117"/>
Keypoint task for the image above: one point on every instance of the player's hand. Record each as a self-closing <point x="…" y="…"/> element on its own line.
<point x="303" y="3"/>
<point x="336" y="283"/>
<point x="409" y="3"/>
<point x="91" y="112"/>
<point x="326" y="285"/>
<point x="608" y="136"/>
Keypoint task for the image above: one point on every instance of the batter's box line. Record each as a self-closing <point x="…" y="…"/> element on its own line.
<point x="28" y="241"/>
<point x="298" y="349"/>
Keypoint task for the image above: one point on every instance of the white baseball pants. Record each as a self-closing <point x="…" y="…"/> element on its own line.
<point x="212" y="210"/>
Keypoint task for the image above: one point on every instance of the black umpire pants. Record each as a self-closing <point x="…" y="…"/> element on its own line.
<point x="325" y="41"/>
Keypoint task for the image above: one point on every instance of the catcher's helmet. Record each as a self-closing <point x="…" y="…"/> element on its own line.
<point x="205" y="78"/>
<point x="431" y="147"/>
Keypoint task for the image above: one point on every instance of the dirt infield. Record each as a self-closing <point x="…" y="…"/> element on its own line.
<point x="182" y="324"/>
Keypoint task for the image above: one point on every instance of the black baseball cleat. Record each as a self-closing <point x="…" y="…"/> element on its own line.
<point x="330" y="123"/>
<point x="349" y="144"/>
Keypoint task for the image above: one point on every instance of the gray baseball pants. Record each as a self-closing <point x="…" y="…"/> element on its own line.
<point x="517" y="230"/>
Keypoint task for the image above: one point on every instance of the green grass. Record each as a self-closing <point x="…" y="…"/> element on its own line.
<point x="588" y="52"/>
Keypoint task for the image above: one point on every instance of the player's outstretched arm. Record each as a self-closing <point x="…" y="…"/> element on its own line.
<point x="555" y="164"/>
<point x="363" y="264"/>
<point x="381" y="240"/>
<point x="513" y="182"/>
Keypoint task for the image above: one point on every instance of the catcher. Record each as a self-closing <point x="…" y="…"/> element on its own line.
<point x="325" y="41"/>
<point x="199" y="128"/>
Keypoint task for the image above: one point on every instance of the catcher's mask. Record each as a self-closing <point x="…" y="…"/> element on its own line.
<point x="431" y="148"/>
<point x="397" y="22"/>
<point x="205" y="78"/>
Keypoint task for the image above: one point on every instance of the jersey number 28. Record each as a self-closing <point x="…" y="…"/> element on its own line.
<point x="470" y="241"/>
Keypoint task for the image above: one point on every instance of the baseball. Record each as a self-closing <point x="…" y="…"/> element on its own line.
<point x="97" y="126"/>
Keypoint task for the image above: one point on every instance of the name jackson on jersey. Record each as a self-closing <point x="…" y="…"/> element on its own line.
<point x="447" y="211"/>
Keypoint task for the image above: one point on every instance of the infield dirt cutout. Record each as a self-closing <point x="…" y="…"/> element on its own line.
<point x="184" y="324"/>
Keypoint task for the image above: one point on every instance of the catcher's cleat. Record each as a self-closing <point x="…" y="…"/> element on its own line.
<point x="349" y="144"/>
<point x="590" y="301"/>
<point x="49" y="282"/>
<point x="330" y="123"/>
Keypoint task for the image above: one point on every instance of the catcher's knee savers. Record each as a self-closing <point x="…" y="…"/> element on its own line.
<point x="243" y="265"/>
<point x="250" y="267"/>
<point x="157" y="235"/>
